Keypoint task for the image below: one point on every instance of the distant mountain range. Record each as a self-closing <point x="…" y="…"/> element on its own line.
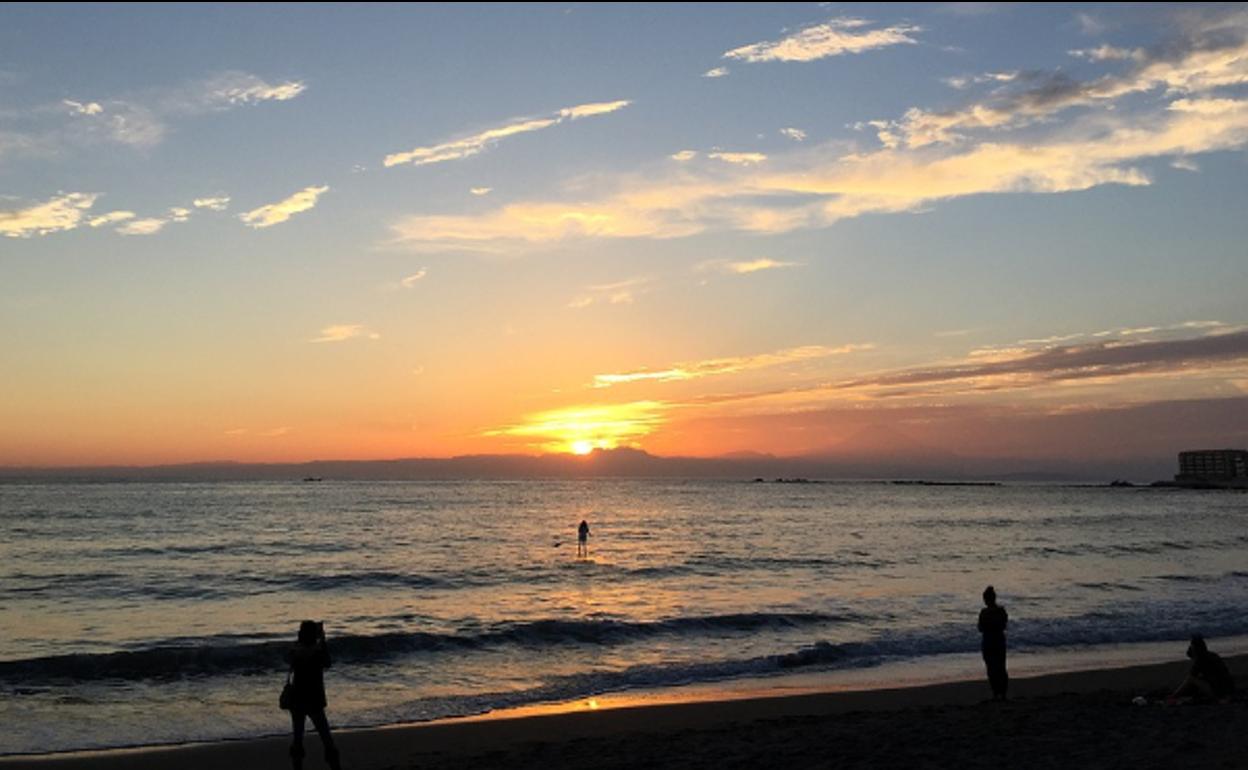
<point x="923" y="463"/>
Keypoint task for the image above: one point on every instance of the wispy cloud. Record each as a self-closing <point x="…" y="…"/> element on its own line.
<point x="1064" y="363"/>
<point x="1091" y="25"/>
<point x="589" y="110"/>
<point x="1059" y="376"/>
<point x="139" y="118"/>
<point x="217" y="203"/>
<point x="926" y="158"/>
<point x="468" y="146"/>
<point x="413" y="279"/>
<point x="1106" y="52"/>
<point x="133" y="125"/>
<point x="344" y="332"/>
<point x="277" y="432"/>
<point x="276" y="213"/>
<point x="63" y="212"/>
<point x="809" y="189"/>
<point x="111" y="217"/>
<point x="832" y="38"/>
<point x="616" y="293"/>
<point x="684" y="155"/>
<point x="1156" y="332"/>
<point x="961" y="82"/>
<point x="715" y="367"/>
<point x="479" y="191"/>
<point x="238" y="88"/>
<point x="79" y="108"/>
<point x="1206" y="56"/>
<point x="145" y="226"/>
<point x="717" y="72"/>
<point x="796" y="134"/>
<point x="739" y="158"/>
<point x="746" y="266"/>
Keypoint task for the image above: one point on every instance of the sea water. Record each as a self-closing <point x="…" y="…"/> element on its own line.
<point x="135" y="614"/>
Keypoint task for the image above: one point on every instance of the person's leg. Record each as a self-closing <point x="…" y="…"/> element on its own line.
<point x="998" y="680"/>
<point x="1193" y="687"/>
<point x="296" y="739"/>
<point x="992" y="682"/>
<point x="1197" y="688"/>
<point x="327" y="738"/>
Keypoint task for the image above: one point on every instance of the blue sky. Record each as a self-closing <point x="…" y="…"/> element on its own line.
<point x="210" y="256"/>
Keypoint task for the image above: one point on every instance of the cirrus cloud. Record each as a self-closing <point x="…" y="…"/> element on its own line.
<point x="136" y="118"/>
<point x="217" y="203"/>
<point x="816" y="188"/>
<point x="715" y="367"/>
<point x="413" y="279"/>
<point x="344" y="332"/>
<point x="276" y="213"/>
<point x="738" y="158"/>
<point x="457" y="149"/>
<point x="145" y="226"/>
<point x="111" y="217"/>
<point x="746" y="266"/>
<point x="832" y="38"/>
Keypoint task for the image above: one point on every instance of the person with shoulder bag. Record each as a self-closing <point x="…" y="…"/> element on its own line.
<point x="304" y="693"/>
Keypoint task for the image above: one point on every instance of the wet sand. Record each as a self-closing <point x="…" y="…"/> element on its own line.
<point x="1083" y="719"/>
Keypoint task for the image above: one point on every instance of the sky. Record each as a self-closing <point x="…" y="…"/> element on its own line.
<point x="279" y="232"/>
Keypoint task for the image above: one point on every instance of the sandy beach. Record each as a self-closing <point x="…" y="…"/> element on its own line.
<point x="1081" y="719"/>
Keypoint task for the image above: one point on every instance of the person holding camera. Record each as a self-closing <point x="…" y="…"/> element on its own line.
<point x="308" y="660"/>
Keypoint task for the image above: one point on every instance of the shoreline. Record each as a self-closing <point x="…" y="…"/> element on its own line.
<point x="620" y="719"/>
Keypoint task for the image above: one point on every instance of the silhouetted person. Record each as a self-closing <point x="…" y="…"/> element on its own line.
<point x="1208" y="678"/>
<point x="992" y="621"/>
<point x="308" y="660"/>
<point x="582" y="539"/>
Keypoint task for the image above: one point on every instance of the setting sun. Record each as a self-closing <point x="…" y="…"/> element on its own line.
<point x="582" y="429"/>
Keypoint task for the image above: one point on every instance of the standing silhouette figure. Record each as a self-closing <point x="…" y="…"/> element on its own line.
<point x="582" y="539"/>
<point x="992" y="621"/>
<point x="309" y="658"/>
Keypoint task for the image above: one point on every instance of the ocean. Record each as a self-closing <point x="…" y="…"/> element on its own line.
<point x="135" y="614"/>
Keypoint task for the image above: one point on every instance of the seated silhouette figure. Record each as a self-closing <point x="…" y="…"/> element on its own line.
<point x="1208" y="679"/>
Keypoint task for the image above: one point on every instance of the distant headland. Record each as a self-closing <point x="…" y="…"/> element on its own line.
<point x="926" y="466"/>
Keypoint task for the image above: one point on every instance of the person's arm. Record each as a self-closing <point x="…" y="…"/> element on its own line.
<point x="1190" y="683"/>
<point x="1183" y="689"/>
<point x="322" y="653"/>
<point x="980" y="624"/>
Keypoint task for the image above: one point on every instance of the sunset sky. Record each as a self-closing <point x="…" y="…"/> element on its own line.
<point x="273" y="233"/>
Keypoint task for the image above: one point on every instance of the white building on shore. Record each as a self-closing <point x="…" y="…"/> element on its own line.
<point x="1213" y="467"/>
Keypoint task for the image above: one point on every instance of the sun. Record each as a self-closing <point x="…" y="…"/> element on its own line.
<point x="582" y="447"/>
